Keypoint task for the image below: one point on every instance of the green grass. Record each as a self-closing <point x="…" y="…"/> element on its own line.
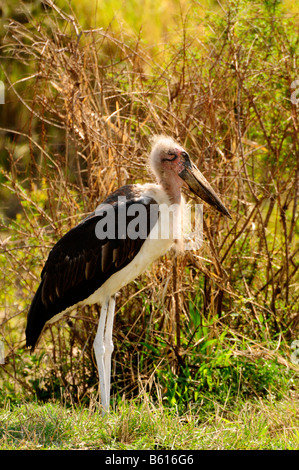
<point x="141" y="426"/>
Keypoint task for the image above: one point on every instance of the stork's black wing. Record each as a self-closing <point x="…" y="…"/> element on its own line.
<point x="80" y="262"/>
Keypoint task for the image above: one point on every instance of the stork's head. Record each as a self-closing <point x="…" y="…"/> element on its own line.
<point x="171" y="165"/>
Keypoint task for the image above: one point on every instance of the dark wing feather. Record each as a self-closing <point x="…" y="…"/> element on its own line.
<point x="80" y="263"/>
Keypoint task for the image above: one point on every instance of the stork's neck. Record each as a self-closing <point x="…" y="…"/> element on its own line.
<point x="172" y="184"/>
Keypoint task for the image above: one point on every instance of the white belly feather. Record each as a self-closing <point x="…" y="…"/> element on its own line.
<point x="157" y="244"/>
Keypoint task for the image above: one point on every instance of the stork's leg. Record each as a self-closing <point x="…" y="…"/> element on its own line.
<point x="108" y="343"/>
<point x="99" y="350"/>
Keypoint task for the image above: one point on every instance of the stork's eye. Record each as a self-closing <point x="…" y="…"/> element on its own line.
<point x="170" y="159"/>
<point x="185" y="155"/>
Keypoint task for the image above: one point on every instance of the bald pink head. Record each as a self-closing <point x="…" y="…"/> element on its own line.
<point x="173" y="169"/>
<point x="167" y="162"/>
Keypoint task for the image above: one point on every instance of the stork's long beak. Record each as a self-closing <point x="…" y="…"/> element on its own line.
<point x="200" y="186"/>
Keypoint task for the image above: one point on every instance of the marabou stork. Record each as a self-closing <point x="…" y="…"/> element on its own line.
<point x="90" y="264"/>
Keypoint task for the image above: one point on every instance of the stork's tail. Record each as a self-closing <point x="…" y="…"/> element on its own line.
<point x="36" y="320"/>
